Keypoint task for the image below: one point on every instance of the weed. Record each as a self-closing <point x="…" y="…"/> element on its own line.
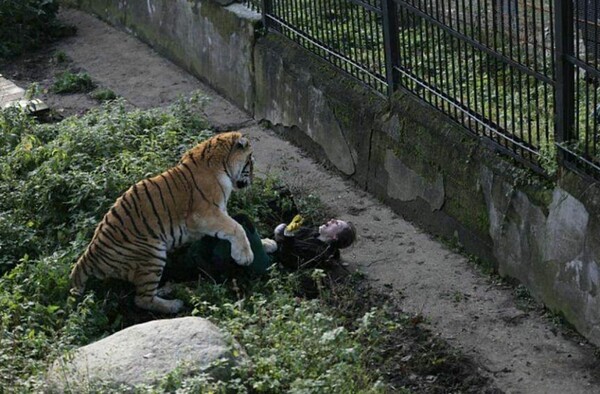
<point x="312" y="208"/>
<point x="68" y="82"/>
<point x="32" y="91"/>
<point x="56" y="182"/>
<point x="60" y="57"/>
<point x="523" y="298"/>
<point x="294" y="344"/>
<point x="268" y="202"/>
<point x="548" y="156"/>
<point x="458" y="296"/>
<point x="103" y="94"/>
<point x="27" y="24"/>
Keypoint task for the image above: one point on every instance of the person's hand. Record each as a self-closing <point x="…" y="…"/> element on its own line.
<point x="294" y="225"/>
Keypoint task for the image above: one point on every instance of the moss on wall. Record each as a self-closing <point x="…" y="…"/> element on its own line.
<point x="225" y="24"/>
<point x="430" y="145"/>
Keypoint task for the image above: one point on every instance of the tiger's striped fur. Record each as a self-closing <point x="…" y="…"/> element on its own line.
<point x="161" y="213"/>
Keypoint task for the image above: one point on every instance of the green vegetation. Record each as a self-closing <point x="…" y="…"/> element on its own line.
<point x="60" y="57"/>
<point x="294" y="343"/>
<point x="346" y="28"/>
<point x="28" y="24"/>
<point x="306" y="331"/>
<point x="68" y="82"/>
<point x="103" y="94"/>
<point x="57" y="181"/>
<point x="517" y="104"/>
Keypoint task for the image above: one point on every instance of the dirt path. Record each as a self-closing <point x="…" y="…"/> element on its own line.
<point x="521" y="350"/>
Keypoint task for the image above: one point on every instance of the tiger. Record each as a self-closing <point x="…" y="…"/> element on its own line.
<point x="159" y="214"/>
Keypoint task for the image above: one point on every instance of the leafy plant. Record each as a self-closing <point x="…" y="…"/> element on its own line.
<point x="547" y="158"/>
<point x="56" y="182"/>
<point x="103" y="94"/>
<point x="68" y="82"/>
<point x="267" y="202"/>
<point x="27" y="24"/>
<point x="294" y="344"/>
<point x="60" y="57"/>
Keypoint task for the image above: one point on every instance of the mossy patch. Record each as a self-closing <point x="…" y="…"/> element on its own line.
<point x="224" y="22"/>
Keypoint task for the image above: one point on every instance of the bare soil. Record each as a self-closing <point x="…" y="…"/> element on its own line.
<point x="498" y="331"/>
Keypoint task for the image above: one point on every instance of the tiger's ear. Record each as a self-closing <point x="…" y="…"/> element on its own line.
<point x="242" y="143"/>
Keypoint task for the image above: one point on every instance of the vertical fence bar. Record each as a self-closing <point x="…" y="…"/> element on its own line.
<point x="565" y="76"/>
<point x="391" y="44"/>
<point x="266" y="10"/>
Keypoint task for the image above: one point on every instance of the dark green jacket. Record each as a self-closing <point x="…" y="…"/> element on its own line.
<point x="213" y="255"/>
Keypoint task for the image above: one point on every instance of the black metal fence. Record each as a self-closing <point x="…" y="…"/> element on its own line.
<point x="581" y="83"/>
<point x="523" y="74"/>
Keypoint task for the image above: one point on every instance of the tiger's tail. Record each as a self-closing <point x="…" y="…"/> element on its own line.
<point x="79" y="276"/>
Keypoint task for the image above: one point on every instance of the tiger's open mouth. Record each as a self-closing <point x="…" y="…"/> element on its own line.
<point x="246" y="174"/>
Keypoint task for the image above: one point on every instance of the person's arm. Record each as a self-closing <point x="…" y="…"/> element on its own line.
<point x="287" y="247"/>
<point x="278" y="233"/>
<point x="287" y="242"/>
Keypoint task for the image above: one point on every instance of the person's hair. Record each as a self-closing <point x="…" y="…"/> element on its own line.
<point x="345" y="237"/>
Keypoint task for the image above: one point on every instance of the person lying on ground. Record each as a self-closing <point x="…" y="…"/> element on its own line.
<point x="295" y="247"/>
<point x="308" y="247"/>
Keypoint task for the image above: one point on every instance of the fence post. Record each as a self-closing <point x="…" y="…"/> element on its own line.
<point x="266" y="10"/>
<point x="565" y="73"/>
<point x="390" y="40"/>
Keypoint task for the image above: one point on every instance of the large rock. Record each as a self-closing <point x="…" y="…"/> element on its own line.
<point x="144" y="353"/>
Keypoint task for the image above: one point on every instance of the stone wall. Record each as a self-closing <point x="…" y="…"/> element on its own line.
<point x="544" y="234"/>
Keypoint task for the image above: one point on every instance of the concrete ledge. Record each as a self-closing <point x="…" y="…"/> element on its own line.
<point x="13" y="96"/>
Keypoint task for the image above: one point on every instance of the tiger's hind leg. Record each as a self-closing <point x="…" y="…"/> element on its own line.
<point x="166" y="289"/>
<point x="78" y="278"/>
<point x="146" y="290"/>
<point x="156" y="304"/>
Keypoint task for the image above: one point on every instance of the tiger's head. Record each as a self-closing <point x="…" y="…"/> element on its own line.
<point x="240" y="162"/>
<point x="229" y="153"/>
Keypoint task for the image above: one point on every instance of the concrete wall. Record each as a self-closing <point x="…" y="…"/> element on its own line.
<point x="544" y="234"/>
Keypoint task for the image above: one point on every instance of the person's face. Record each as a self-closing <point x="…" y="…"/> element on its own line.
<point x="330" y="230"/>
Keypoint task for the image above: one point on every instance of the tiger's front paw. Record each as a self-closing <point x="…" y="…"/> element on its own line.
<point x="243" y="256"/>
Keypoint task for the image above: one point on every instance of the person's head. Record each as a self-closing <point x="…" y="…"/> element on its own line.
<point x="338" y="233"/>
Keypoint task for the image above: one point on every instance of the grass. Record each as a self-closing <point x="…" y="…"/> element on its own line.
<point x="103" y="94"/>
<point x="56" y="182"/>
<point x="68" y="82"/>
<point x="60" y="57"/>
